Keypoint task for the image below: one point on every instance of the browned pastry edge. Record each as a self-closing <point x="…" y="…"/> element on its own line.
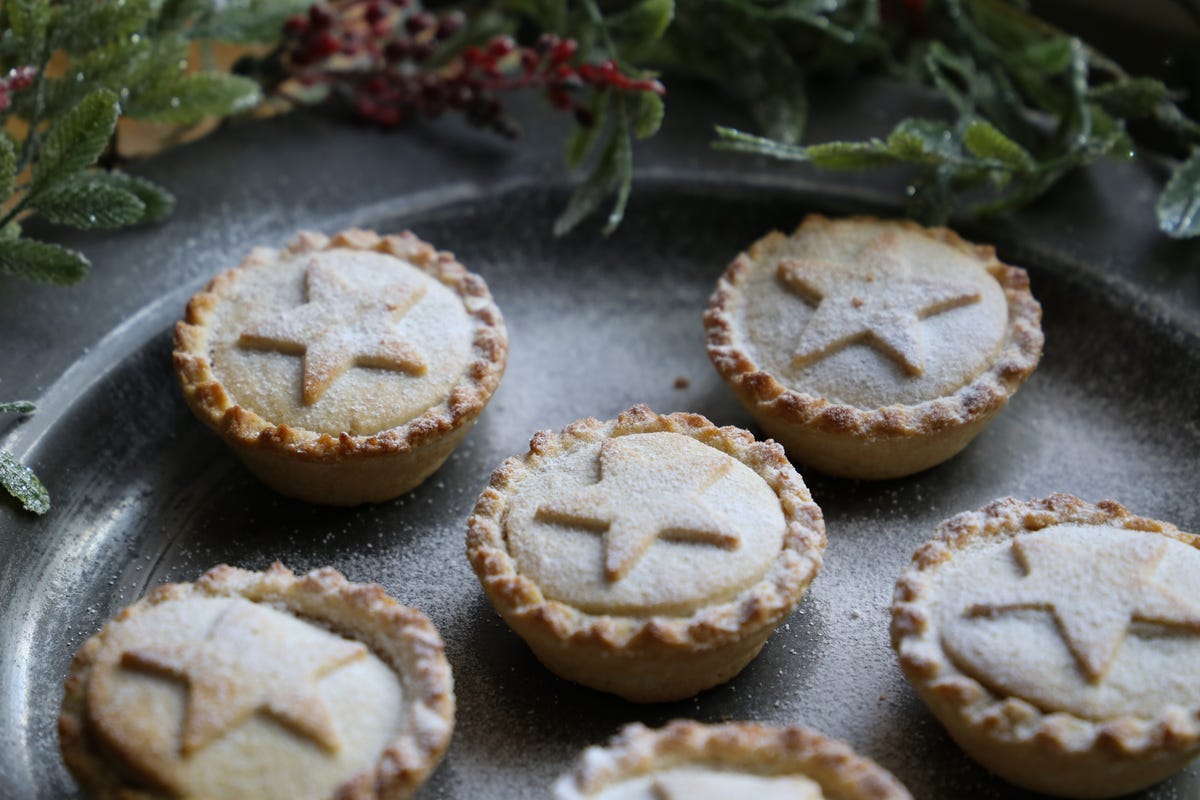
<point x="213" y="405"/>
<point x="740" y="746"/>
<point x="763" y="604"/>
<point x="983" y="396"/>
<point x="402" y="637"/>
<point x="1074" y="745"/>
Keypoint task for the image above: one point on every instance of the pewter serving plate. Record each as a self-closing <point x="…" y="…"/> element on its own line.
<point x="144" y="494"/>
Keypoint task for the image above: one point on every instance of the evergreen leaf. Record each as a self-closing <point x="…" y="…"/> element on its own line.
<point x="624" y="182"/>
<point x="1003" y="23"/>
<point x="642" y="24"/>
<point x="157" y="201"/>
<point x="89" y="202"/>
<point x="248" y="21"/>
<point x="932" y="198"/>
<point x="1031" y="188"/>
<point x="908" y="146"/>
<point x="22" y="484"/>
<point x="742" y="142"/>
<point x="1077" y="130"/>
<point x="17" y="407"/>
<point x="1136" y="97"/>
<point x="82" y="26"/>
<point x="1048" y="57"/>
<point x="8" y="166"/>
<point x="39" y="261"/>
<point x="814" y="15"/>
<point x="851" y="155"/>
<point x="1043" y="91"/>
<point x="194" y="97"/>
<point x="175" y="15"/>
<point x="647" y="114"/>
<point x="953" y="76"/>
<point x="29" y="20"/>
<point x="165" y="61"/>
<point x="1169" y="115"/>
<point x="598" y="184"/>
<point x="923" y="140"/>
<point x="583" y="138"/>
<point x="987" y="141"/>
<point x="128" y="66"/>
<point x="1107" y="126"/>
<point x="76" y="140"/>
<point x="1178" y="206"/>
<point x="781" y="103"/>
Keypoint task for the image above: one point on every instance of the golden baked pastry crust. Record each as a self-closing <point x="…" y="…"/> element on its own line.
<point x="738" y="747"/>
<point x="343" y="468"/>
<point x="401" y="637"/>
<point x="1043" y="743"/>
<point x="891" y="440"/>
<point x="648" y="657"/>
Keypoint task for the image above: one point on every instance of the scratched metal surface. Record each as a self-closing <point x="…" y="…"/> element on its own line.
<point x="144" y="494"/>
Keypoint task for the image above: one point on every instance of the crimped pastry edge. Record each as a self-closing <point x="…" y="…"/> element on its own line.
<point x="756" y="748"/>
<point x="983" y="396"/>
<point x="763" y="604"/>
<point x="1009" y="719"/>
<point x="212" y="404"/>
<point x="401" y="636"/>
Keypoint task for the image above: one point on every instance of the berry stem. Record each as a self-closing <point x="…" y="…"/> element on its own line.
<point x="380" y="56"/>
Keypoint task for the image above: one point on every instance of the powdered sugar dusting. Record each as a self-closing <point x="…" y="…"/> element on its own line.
<point x="436" y="331"/>
<point x="343" y="326"/>
<point x="868" y="314"/>
<point x="673" y="575"/>
<point x="1124" y="598"/>
<point x="143" y="714"/>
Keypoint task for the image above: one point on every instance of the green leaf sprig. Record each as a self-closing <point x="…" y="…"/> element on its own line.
<point x="1029" y="104"/>
<point x="18" y="479"/>
<point x="616" y="119"/>
<point x="70" y="70"/>
<point x="74" y="68"/>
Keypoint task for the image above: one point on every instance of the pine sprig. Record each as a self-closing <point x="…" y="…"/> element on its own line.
<point x="111" y="59"/>
<point x="73" y="69"/>
<point x="75" y="141"/>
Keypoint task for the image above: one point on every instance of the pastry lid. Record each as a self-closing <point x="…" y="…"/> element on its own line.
<point x="1058" y="620"/>
<point x="265" y="685"/>
<point x="351" y="344"/>
<point x="647" y="531"/>
<point x="874" y="326"/>
<point x="688" y="760"/>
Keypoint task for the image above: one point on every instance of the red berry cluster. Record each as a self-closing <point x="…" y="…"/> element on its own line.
<point x="377" y="54"/>
<point x="17" y="79"/>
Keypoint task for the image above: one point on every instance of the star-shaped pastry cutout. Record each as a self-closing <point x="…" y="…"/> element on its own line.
<point x="874" y="299"/>
<point x="248" y="664"/>
<point x="1093" y="599"/>
<point x="341" y="327"/>
<point x="638" y="500"/>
